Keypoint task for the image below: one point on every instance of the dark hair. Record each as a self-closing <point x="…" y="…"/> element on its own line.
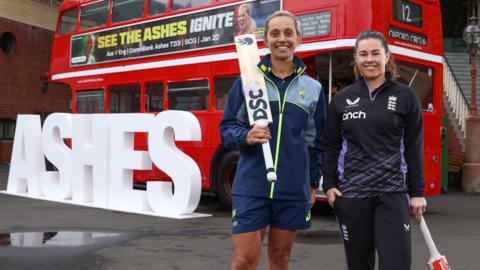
<point x="390" y="67"/>
<point x="283" y="13"/>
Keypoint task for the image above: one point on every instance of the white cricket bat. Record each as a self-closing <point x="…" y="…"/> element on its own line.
<point x="436" y="261"/>
<point x="255" y="90"/>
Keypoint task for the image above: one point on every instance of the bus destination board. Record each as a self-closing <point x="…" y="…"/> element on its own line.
<point x="408" y="36"/>
<point x="407" y="12"/>
<point x="316" y="24"/>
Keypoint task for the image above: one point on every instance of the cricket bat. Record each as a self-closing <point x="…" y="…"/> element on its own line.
<point x="255" y="90"/>
<point x="436" y="261"/>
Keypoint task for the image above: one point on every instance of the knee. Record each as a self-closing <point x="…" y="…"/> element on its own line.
<point x="280" y="256"/>
<point x="245" y="262"/>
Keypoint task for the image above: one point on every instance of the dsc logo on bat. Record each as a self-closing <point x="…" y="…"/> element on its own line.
<point x="257" y="103"/>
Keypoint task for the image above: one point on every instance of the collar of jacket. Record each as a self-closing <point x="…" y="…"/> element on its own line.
<point x="265" y="65"/>
<point x="389" y="82"/>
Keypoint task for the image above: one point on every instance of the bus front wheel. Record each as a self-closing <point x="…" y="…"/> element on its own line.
<point x="224" y="181"/>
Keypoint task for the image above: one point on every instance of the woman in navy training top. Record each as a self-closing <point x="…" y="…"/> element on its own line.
<point x="298" y="112"/>
<point x="373" y="160"/>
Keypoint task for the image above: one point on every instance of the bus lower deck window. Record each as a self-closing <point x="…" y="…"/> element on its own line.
<point x="222" y="88"/>
<point x="154" y="97"/>
<point x="188" y="96"/>
<point x="90" y="101"/>
<point x="125" y="99"/>
<point x="420" y="80"/>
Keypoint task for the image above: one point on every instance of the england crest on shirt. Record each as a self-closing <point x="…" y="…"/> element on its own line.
<point x="392" y="103"/>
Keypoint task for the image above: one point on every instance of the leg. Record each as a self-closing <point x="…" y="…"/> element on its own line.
<point x="250" y="217"/>
<point x="280" y="244"/>
<point x="355" y="217"/>
<point x="392" y="232"/>
<point x="247" y="248"/>
<point x="287" y="217"/>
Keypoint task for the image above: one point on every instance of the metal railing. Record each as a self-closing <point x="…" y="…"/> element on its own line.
<point x="455" y="102"/>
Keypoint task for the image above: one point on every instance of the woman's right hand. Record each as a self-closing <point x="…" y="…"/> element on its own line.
<point x="258" y="134"/>
<point x="332" y="195"/>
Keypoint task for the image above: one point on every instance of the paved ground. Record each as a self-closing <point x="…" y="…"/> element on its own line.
<point x="145" y="242"/>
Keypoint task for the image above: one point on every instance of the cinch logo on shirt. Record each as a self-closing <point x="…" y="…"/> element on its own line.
<point x="354" y="115"/>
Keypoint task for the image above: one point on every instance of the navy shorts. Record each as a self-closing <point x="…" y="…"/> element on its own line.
<point x="252" y="213"/>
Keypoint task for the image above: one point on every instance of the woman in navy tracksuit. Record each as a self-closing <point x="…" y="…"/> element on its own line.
<point x="373" y="160"/>
<point x="298" y="112"/>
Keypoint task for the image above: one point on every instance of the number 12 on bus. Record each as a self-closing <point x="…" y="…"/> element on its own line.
<point x="122" y="56"/>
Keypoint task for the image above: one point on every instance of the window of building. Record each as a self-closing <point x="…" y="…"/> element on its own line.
<point x="157" y="7"/>
<point x="154" y="97"/>
<point x="50" y="3"/>
<point x="7" y="43"/>
<point x="125" y="98"/>
<point x="7" y="129"/>
<point x="91" y="101"/>
<point x="124" y="10"/>
<point x="180" y="4"/>
<point x="93" y="15"/>
<point x="68" y="22"/>
<point x="188" y="96"/>
<point x="222" y="88"/>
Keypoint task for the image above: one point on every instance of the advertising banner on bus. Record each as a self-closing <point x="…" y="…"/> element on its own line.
<point x="203" y="29"/>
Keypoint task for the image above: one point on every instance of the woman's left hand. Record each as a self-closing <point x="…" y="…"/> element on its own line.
<point x="418" y="205"/>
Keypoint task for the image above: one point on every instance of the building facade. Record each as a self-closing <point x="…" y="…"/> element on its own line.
<point x="26" y="35"/>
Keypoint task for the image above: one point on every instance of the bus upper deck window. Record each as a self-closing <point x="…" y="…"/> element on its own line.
<point x="93" y="15"/>
<point x="188" y="96"/>
<point x="91" y="101"/>
<point x="158" y="6"/>
<point x="154" y="97"/>
<point x="68" y="22"/>
<point x="125" y="99"/>
<point x="179" y="4"/>
<point x="124" y="10"/>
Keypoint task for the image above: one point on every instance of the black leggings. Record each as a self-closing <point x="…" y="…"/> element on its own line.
<point x="378" y="223"/>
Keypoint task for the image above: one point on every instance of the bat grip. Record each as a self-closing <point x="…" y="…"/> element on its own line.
<point x="267" y="155"/>
<point x="434" y="254"/>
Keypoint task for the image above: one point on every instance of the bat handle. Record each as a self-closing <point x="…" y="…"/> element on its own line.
<point x="434" y="254"/>
<point x="267" y="155"/>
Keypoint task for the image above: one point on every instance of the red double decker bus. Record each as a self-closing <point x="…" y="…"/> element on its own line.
<point x="121" y="56"/>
